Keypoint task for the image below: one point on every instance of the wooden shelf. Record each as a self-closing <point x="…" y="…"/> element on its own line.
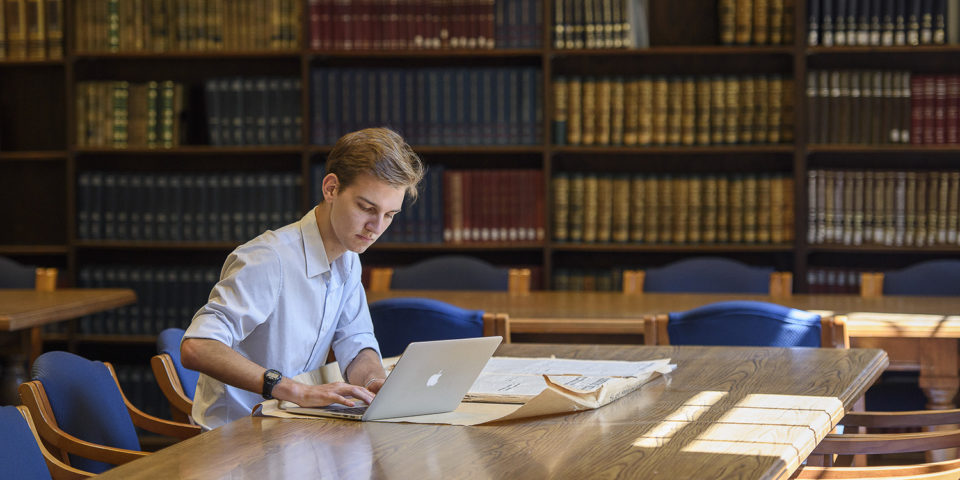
<point x="458" y="247"/>
<point x="675" y="50"/>
<point x="872" y="249"/>
<point x="873" y="49"/>
<point x="700" y="247"/>
<point x="31" y="63"/>
<point x="454" y="149"/>
<point x="427" y="53"/>
<point x="674" y="150"/>
<point x="33" y="249"/>
<point x="175" y="55"/>
<point x="35" y="155"/>
<point x="132" y="245"/>
<point x="892" y="148"/>
<point x="96" y="338"/>
<point x="195" y="150"/>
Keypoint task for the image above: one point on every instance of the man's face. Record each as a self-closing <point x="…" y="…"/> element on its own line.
<point x="361" y="212"/>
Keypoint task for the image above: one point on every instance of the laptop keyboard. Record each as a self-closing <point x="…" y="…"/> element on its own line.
<point x="358" y="410"/>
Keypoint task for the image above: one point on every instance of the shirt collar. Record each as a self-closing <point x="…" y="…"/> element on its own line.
<point x="313" y="251"/>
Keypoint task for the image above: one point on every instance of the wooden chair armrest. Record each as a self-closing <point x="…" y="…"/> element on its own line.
<point x="151" y="423"/>
<point x="35" y="399"/>
<point x="380" y="279"/>
<point x="919" y="418"/>
<point x="166" y="374"/>
<point x="781" y="284"/>
<point x="655" y="329"/>
<point x="518" y="281"/>
<point x="947" y="470"/>
<point x="633" y="281"/>
<point x="496" y="324"/>
<point x="58" y="469"/>
<point x="857" y="444"/>
<point x="871" y="284"/>
<point x="833" y="332"/>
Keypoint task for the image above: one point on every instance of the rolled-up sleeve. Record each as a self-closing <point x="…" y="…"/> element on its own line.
<point x="245" y="296"/>
<point x="354" y="327"/>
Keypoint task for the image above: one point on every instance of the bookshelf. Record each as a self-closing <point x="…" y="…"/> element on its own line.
<point x="42" y="159"/>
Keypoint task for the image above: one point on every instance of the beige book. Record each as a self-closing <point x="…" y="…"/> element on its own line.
<point x="879" y="207"/>
<point x="890" y="209"/>
<point x="702" y="123"/>
<point x="953" y="215"/>
<point x="718" y="110"/>
<point x="747" y="107"/>
<point x="774" y="109"/>
<point x="775" y="22"/>
<point x="561" y="206"/>
<point x="731" y="125"/>
<point x="944" y="208"/>
<point x="726" y="15"/>
<point x="723" y="209"/>
<point x="736" y="209"/>
<point x="688" y="110"/>
<point x="137" y="117"/>
<point x="574" y="111"/>
<point x="787" y="111"/>
<point x="604" y="229"/>
<point x="616" y="111"/>
<point x="631" y="112"/>
<point x="681" y="209"/>
<point x="910" y="209"/>
<point x="765" y="208"/>
<point x="761" y="108"/>
<point x="645" y="110"/>
<point x="751" y="207"/>
<point x="591" y="207"/>
<point x="603" y="109"/>
<point x="36" y="29"/>
<point x="814" y="207"/>
<point x="651" y="225"/>
<point x="674" y="110"/>
<point x="788" y="26"/>
<point x="560" y="110"/>
<point x="577" y="199"/>
<point x="666" y="211"/>
<point x="621" y="209"/>
<point x="761" y="33"/>
<point x="848" y="207"/>
<point x="858" y="206"/>
<point x="743" y="22"/>
<point x="709" y="209"/>
<point x="16" y="17"/>
<point x="638" y="208"/>
<point x="933" y="207"/>
<point x="920" y="238"/>
<point x="829" y="205"/>
<point x="695" y="209"/>
<point x="777" y="205"/>
<point x="661" y="93"/>
<point x="589" y="115"/>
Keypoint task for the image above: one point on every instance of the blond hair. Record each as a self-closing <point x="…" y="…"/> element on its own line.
<point x="380" y="152"/>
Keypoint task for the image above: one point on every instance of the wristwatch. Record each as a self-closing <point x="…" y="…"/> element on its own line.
<point x="270" y="379"/>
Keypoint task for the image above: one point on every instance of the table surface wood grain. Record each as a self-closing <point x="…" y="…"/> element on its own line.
<point x="726" y="412"/>
<point x="22" y="308"/>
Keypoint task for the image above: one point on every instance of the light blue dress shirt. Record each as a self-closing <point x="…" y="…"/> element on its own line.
<point x="281" y="304"/>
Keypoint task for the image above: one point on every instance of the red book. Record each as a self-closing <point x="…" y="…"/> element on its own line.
<point x="952" y="121"/>
<point x="916" y="109"/>
<point x="315" y="24"/>
<point x="939" y="109"/>
<point x="929" y="120"/>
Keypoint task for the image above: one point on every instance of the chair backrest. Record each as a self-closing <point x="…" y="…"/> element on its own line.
<point x="933" y="277"/>
<point x="15" y="275"/>
<point x="744" y="323"/>
<point x="20" y="451"/>
<point x="708" y="275"/>
<point x="451" y="272"/>
<point x="399" y="321"/>
<point x="86" y="403"/>
<point x="168" y="342"/>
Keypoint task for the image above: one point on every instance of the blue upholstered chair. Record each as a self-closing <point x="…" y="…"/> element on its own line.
<point x="399" y="321"/>
<point x="15" y="275"/>
<point x="745" y="323"/>
<point x="178" y="383"/>
<point x="23" y="455"/>
<point x="80" y="409"/>
<point x="707" y="275"/>
<point x="451" y="272"/>
<point x="933" y="277"/>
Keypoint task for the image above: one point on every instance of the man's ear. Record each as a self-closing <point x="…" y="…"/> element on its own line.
<point x="330" y="185"/>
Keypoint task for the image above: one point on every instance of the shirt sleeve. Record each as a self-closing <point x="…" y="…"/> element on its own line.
<point x="245" y="296"/>
<point x="354" y="327"/>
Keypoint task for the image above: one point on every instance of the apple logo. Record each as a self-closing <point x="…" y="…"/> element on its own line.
<point x="434" y="378"/>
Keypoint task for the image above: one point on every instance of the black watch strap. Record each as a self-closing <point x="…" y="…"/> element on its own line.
<point x="270" y="379"/>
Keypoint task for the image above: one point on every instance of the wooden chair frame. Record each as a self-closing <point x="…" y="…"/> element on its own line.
<point x="58" y="469"/>
<point x="34" y="397"/>
<point x="518" y="282"/>
<point x="781" y="283"/>
<point x="833" y="330"/>
<point x="164" y="370"/>
<point x="497" y="324"/>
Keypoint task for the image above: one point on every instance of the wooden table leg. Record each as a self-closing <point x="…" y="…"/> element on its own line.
<point x="940" y="382"/>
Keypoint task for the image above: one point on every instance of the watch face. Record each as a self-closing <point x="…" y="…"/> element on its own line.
<point x="272" y="376"/>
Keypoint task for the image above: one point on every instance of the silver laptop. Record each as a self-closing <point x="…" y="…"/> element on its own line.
<point x="430" y="377"/>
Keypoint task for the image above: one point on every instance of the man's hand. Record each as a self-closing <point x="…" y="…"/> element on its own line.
<point x="321" y="395"/>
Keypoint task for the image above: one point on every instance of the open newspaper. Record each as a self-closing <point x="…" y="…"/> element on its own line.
<point x="511" y="388"/>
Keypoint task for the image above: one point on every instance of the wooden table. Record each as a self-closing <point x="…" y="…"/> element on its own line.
<point x="25" y="311"/>
<point x="919" y="333"/>
<point x="726" y="412"/>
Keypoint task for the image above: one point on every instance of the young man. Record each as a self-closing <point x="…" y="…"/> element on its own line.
<point x="287" y="296"/>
